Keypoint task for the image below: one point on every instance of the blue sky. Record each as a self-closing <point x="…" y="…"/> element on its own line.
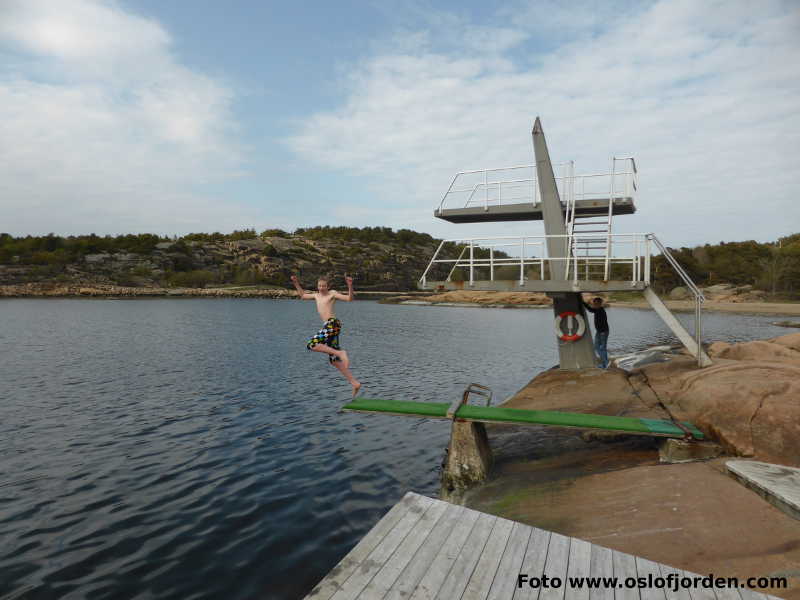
<point x="171" y="117"/>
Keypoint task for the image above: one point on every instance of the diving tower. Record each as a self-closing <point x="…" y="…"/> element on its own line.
<point x="578" y="252"/>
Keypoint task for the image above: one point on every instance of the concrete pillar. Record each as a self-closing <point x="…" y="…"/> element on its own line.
<point x="576" y="354"/>
<point x="469" y="456"/>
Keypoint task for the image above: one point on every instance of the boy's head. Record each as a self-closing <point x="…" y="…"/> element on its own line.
<point x="323" y="283"/>
<point x="597" y="301"/>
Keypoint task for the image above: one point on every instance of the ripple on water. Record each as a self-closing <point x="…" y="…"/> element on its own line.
<point x="195" y="449"/>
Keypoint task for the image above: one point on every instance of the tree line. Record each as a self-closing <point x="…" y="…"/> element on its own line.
<point x="770" y="266"/>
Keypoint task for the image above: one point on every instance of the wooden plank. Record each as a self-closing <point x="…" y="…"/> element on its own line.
<point x="778" y="484"/>
<point x="748" y="594"/>
<point x="480" y="582"/>
<point x="459" y="575"/>
<point x="505" y="580"/>
<point x="432" y="581"/>
<point x="533" y="563"/>
<point x="395" y="564"/>
<point x="601" y="564"/>
<point x="624" y="567"/>
<point x="727" y="594"/>
<point x="580" y="563"/>
<point x="449" y="524"/>
<point x="556" y="566"/>
<point x="347" y="566"/>
<point x="649" y="570"/>
<point x="669" y="591"/>
<point x="699" y="593"/>
<point x="376" y="559"/>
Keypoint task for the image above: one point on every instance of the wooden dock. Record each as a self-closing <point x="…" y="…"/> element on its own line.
<point x="426" y="549"/>
<point x="778" y="484"/>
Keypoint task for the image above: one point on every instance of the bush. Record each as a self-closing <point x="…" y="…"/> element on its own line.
<point x="244" y="234"/>
<point x="142" y="271"/>
<point x="204" y="237"/>
<point x="274" y="233"/>
<point x="125" y="278"/>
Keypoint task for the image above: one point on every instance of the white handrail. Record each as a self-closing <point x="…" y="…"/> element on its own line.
<point x="536" y="244"/>
<point x="567" y="181"/>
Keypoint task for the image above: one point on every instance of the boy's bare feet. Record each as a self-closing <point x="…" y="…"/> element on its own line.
<point x="345" y="359"/>
<point x="356" y="387"/>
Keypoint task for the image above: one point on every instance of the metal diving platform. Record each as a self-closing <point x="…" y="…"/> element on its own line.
<point x="512" y="193"/>
<point x="527" y="211"/>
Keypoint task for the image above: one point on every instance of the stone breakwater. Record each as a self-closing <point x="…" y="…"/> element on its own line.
<point x="33" y="290"/>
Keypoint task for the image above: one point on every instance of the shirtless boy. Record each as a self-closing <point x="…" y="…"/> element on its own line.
<point x="327" y="339"/>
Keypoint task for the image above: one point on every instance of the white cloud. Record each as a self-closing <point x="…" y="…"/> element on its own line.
<point x="103" y="129"/>
<point x="704" y="94"/>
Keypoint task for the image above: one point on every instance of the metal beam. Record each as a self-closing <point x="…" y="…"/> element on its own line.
<point x="552" y="211"/>
<point x="686" y="339"/>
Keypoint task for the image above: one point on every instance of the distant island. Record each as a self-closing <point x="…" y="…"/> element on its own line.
<point x="379" y="258"/>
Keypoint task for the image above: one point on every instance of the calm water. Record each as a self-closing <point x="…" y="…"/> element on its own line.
<point x="192" y="448"/>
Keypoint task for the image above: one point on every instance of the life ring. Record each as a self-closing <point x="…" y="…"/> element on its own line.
<point x="578" y="334"/>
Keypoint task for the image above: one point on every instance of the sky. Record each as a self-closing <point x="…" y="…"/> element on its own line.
<point x="132" y="116"/>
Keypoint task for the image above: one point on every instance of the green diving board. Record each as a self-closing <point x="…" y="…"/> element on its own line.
<point x="499" y="414"/>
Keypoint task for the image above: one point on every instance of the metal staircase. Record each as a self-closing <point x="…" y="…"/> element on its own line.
<point x="589" y="231"/>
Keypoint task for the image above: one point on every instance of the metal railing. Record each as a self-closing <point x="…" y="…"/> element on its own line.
<point x="699" y="298"/>
<point x="518" y="185"/>
<point x="484" y="256"/>
<point x="478" y="254"/>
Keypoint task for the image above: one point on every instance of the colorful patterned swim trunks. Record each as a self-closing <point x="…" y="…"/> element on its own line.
<point x="329" y="336"/>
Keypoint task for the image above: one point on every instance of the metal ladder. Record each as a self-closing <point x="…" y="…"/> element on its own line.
<point x="589" y="236"/>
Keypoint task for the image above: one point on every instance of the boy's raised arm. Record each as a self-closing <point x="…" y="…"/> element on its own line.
<point x="350" y="294"/>
<point x="301" y="293"/>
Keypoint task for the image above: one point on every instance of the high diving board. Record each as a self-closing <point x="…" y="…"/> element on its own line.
<point x="528" y="211"/>
<point x="516" y="416"/>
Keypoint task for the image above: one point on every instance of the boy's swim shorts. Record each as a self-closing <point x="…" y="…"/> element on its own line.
<point x="329" y="336"/>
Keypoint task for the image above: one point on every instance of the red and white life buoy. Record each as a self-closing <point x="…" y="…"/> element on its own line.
<point x="576" y="333"/>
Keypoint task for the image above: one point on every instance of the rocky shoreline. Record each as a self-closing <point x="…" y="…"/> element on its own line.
<point x="34" y="290"/>
<point x="43" y="290"/>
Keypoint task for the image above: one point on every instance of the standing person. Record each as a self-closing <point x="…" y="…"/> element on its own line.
<point x="601" y="330"/>
<point x="327" y="339"/>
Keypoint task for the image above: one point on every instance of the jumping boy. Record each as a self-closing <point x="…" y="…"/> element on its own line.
<point x="327" y="339"/>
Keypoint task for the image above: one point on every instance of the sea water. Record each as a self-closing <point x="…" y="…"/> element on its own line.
<point x="193" y="448"/>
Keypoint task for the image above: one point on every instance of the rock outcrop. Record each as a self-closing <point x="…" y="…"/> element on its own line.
<point x="749" y="399"/>
<point x="492" y="298"/>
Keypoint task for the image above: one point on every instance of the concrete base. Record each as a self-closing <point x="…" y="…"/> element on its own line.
<point x="469" y="456"/>
<point x="682" y="451"/>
